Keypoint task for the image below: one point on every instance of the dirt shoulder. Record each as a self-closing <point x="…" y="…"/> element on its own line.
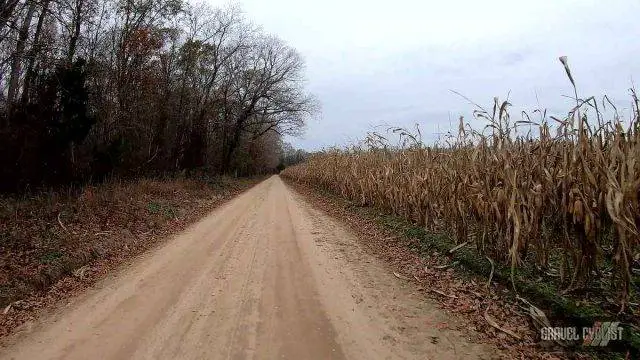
<point x="55" y="244"/>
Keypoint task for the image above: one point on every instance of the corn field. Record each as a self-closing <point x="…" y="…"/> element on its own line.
<point x="564" y="203"/>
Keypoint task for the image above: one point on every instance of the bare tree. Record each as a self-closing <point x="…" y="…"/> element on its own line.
<point x="266" y="93"/>
<point x="141" y="86"/>
<point x="18" y="55"/>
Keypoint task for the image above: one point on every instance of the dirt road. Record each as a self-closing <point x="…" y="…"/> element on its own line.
<point x="264" y="276"/>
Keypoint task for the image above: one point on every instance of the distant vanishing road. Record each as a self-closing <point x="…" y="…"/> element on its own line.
<point x="265" y="276"/>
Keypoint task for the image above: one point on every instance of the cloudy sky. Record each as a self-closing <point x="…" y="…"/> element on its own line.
<point x="374" y="64"/>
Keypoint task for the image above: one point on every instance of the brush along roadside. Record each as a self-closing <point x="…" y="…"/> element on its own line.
<point x="56" y="243"/>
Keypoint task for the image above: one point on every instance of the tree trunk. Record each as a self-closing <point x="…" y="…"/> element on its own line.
<point x="30" y="73"/>
<point x="16" y="63"/>
<point x="232" y="145"/>
<point x="6" y="12"/>
<point x="77" y="20"/>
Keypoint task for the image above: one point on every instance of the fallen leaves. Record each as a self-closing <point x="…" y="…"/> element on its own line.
<point x="493" y="323"/>
<point x="443" y="294"/>
<point x="442" y="267"/>
<point x="56" y="244"/>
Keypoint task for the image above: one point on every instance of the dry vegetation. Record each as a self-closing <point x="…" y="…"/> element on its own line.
<point x="55" y="235"/>
<point x="562" y="202"/>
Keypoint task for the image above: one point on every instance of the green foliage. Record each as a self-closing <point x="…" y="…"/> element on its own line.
<point x="67" y="89"/>
<point x="40" y="146"/>
<point x="51" y="257"/>
<point x="154" y="207"/>
<point x="168" y="211"/>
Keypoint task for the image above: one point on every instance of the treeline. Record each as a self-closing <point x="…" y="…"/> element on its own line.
<point x="128" y="87"/>
<point x="290" y="156"/>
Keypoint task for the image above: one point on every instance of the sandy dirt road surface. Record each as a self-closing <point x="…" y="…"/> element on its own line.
<point x="265" y="276"/>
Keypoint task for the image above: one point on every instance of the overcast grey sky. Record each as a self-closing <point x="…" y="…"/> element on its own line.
<point x="393" y="62"/>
